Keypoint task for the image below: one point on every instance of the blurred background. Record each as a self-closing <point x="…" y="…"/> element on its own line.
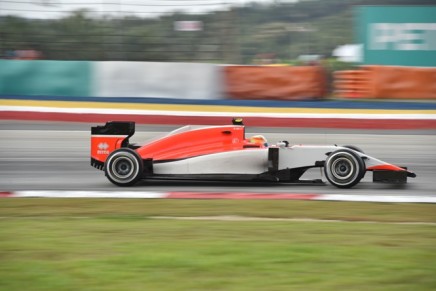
<point x="335" y="34"/>
<point x="90" y="61"/>
<point x="213" y="31"/>
<point x="217" y="31"/>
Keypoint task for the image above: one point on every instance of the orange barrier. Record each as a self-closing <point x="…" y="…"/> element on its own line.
<point x="352" y="84"/>
<point x="386" y="82"/>
<point x="279" y="83"/>
<point x="402" y="82"/>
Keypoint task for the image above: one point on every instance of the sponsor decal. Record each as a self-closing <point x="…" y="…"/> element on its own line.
<point x="103" y="148"/>
<point x="403" y="36"/>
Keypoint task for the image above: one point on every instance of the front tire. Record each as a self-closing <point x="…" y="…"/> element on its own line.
<point x="124" y="167"/>
<point x="354" y="148"/>
<point x="344" y="168"/>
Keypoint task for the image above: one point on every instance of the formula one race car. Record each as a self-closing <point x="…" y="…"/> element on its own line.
<point x="224" y="153"/>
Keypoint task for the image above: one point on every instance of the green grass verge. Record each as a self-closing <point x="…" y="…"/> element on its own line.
<point x="353" y="211"/>
<point x="96" y="244"/>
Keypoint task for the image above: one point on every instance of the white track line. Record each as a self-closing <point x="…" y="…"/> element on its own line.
<point x="87" y="194"/>
<point x="412" y="116"/>
<point x="232" y="218"/>
<point x="166" y="195"/>
<point x="272" y="219"/>
<point x="378" y="198"/>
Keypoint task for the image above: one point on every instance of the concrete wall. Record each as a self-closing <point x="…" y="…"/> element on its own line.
<point x="110" y="79"/>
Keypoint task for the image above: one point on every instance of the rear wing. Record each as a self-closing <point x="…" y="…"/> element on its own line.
<point x="105" y="139"/>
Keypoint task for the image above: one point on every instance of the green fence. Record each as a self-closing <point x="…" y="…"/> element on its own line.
<point x="51" y="78"/>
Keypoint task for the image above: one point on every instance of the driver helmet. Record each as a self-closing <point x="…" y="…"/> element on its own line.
<point x="258" y="139"/>
<point x="237" y="121"/>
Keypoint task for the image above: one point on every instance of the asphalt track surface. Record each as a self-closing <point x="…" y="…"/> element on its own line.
<point x="55" y="156"/>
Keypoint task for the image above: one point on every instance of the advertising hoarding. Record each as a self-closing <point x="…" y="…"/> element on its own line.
<point x="397" y="35"/>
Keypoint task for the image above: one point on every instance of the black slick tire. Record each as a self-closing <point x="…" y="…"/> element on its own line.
<point x="354" y="148"/>
<point x="344" y="168"/>
<point x="124" y="167"/>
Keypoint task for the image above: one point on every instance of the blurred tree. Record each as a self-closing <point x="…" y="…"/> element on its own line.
<point x="237" y="35"/>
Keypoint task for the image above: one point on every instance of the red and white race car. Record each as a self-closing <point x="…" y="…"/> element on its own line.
<point x="224" y="153"/>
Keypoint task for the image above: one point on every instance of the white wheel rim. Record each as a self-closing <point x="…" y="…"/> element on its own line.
<point x="342" y="168"/>
<point x="123" y="167"/>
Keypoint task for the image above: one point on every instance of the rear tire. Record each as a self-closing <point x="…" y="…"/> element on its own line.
<point x="124" y="167"/>
<point x="344" y="168"/>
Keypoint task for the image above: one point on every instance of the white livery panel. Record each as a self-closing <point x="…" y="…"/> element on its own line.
<point x="233" y="162"/>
